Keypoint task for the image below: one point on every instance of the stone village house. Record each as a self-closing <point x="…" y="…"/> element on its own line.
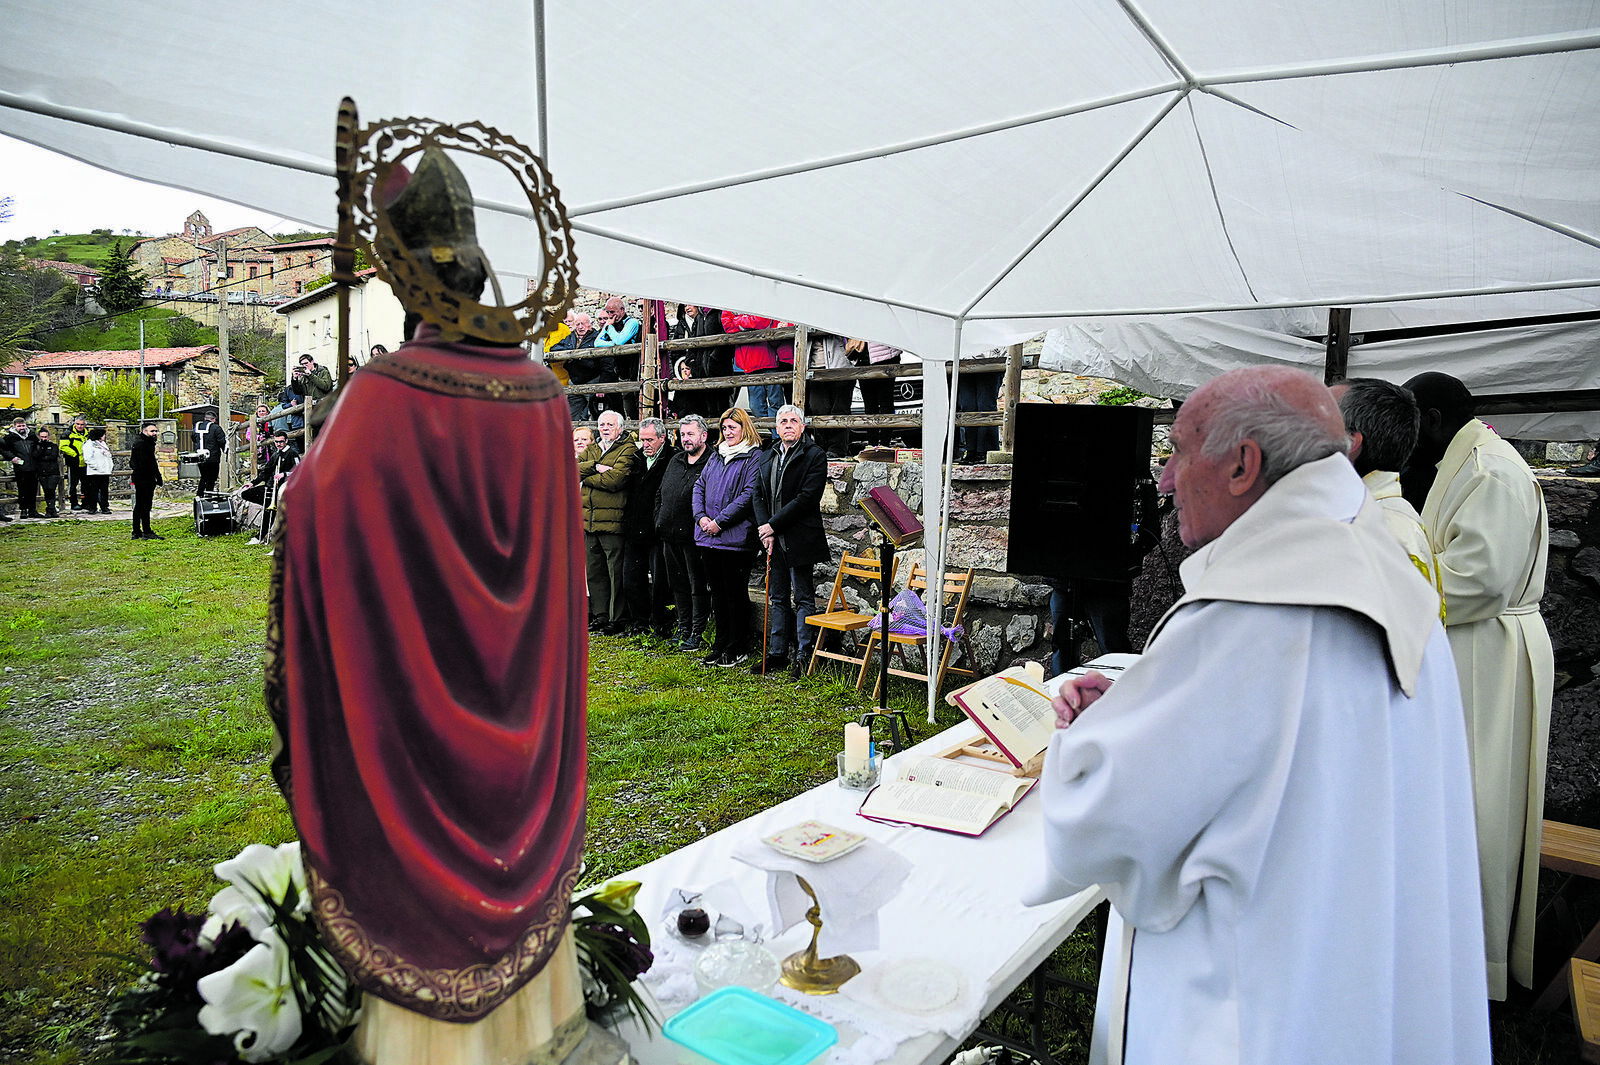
<point x="258" y="264"/>
<point x="188" y="375"/>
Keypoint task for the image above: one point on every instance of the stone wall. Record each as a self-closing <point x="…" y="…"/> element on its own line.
<point x="1007" y="616"/>
<point x="1571" y="609"/>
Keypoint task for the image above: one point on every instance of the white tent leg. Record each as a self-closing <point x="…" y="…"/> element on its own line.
<point x="938" y="453"/>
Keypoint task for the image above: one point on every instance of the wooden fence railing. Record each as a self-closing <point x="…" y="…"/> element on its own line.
<point x="654" y="391"/>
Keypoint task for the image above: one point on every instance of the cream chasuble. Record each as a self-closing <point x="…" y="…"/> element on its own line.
<point x="1288" y="832"/>
<point x="1485" y="515"/>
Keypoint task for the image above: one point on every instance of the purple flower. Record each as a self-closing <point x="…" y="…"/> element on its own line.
<point x="621" y="948"/>
<point x="180" y="959"/>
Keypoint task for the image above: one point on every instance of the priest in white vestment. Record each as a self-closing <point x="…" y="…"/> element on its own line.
<point x="1277" y="797"/>
<point x="1485" y="515"/>
<point x="1382" y="419"/>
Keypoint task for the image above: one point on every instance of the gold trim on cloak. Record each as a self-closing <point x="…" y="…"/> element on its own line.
<point x="464" y="384"/>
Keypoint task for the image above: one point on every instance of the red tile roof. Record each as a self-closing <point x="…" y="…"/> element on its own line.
<point x="114" y="360"/>
<point x="294" y="245"/>
<point x="16" y="369"/>
<point x="65" y="268"/>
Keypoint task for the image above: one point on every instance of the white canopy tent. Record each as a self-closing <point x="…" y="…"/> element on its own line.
<point x="944" y="177"/>
<point x="1173" y="355"/>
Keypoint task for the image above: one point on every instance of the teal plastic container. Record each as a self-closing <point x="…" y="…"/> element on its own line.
<point x="737" y="1026"/>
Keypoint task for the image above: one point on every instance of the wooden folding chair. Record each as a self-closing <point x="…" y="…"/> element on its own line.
<point x="957" y="589"/>
<point x="838" y="617"/>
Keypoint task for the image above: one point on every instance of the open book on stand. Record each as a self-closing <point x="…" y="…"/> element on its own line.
<point x="935" y="792"/>
<point x="1013" y="710"/>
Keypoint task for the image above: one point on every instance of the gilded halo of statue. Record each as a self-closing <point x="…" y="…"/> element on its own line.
<point x="381" y="147"/>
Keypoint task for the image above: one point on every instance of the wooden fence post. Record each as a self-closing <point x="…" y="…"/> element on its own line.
<point x="802" y="363"/>
<point x="652" y="397"/>
<point x="1008" y="398"/>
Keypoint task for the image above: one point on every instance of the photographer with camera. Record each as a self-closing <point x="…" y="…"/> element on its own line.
<point x="310" y="381"/>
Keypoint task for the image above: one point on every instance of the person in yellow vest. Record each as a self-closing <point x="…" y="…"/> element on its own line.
<point x="1485" y="516"/>
<point x="72" y="459"/>
<point x="1382" y="419"/>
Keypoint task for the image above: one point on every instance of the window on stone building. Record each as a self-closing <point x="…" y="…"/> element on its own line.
<point x="253" y="271"/>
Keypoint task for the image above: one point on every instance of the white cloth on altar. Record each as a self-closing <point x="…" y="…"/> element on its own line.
<point x="1288" y="832"/>
<point x="1486" y="518"/>
<point x="1404" y="523"/>
<point x="850" y="890"/>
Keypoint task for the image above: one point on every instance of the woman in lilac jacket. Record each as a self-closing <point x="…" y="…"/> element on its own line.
<point x="725" y="533"/>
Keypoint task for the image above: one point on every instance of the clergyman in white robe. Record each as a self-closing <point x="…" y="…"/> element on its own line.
<point x="1485" y="516"/>
<point x="1404" y="523"/>
<point x="1277" y="799"/>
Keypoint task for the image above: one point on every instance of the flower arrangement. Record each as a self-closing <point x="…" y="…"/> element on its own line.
<point x="613" y="944"/>
<point x="251" y="981"/>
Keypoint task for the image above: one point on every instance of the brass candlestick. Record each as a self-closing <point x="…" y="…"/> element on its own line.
<point x="806" y="972"/>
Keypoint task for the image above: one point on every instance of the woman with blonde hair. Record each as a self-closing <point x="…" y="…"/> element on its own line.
<point x="725" y="533"/>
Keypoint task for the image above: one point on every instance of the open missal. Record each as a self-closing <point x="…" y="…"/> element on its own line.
<point x="1014" y="712"/>
<point x="935" y="792"/>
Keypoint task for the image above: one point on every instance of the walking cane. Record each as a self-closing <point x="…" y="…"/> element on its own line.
<point x="766" y="610"/>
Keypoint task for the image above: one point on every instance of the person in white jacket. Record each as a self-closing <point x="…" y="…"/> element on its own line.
<point x="98" y="464"/>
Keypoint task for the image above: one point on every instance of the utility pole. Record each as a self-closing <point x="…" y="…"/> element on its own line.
<point x="224" y="401"/>
<point x="141" y="372"/>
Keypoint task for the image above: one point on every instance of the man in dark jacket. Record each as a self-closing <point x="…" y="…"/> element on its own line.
<point x="645" y="591"/>
<point x="604" y="471"/>
<point x="146" y="474"/>
<point x="268" y="483"/>
<point x="210" y="443"/>
<point x="21" y="450"/>
<point x="586" y="371"/>
<point x="788" y="506"/>
<point x="691" y="591"/>
<point x="47" y="463"/>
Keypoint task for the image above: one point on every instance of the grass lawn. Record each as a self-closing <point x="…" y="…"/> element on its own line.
<point x="134" y="745"/>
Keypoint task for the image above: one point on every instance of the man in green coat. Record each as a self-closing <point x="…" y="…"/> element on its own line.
<point x="604" y="471"/>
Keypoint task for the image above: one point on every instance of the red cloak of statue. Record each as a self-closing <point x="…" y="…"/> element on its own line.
<point x="427" y="657"/>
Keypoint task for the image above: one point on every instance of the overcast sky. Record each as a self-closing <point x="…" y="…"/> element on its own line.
<point x="50" y="192"/>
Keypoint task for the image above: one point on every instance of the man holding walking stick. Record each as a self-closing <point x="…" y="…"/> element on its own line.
<point x="788" y="507"/>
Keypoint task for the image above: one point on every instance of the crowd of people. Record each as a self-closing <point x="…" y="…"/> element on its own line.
<point x="673" y="533"/>
<point x="620" y="327"/>
<point x="83" y="459"/>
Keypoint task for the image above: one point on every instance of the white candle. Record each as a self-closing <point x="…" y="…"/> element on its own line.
<point x="856" y="740"/>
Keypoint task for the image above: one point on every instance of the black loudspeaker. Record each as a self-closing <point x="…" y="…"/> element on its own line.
<point x="212" y="515"/>
<point x="1075" y="479"/>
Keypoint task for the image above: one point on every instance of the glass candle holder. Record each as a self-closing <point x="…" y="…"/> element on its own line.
<point x="863" y="777"/>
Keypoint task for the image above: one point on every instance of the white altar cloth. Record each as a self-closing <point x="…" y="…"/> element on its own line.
<point x="959" y="905"/>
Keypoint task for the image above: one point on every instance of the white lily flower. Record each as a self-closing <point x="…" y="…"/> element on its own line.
<point x="253" y="1000"/>
<point x="256" y="869"/>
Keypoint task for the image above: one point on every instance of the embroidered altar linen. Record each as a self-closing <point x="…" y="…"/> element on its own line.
<point x="851" y="889"/>
<point x="1289" y="834"/>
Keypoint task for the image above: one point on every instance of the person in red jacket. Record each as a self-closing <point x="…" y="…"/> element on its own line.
<point x="759" y="358"/>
